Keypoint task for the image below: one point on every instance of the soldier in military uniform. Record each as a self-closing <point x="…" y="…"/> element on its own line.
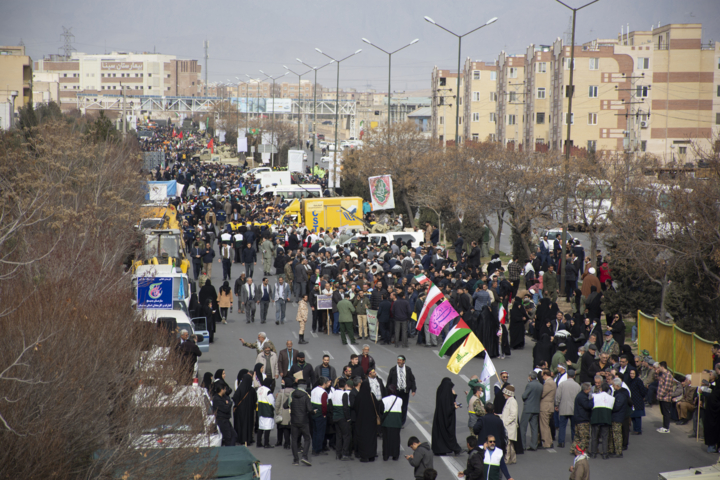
<point x="581" y="413"/>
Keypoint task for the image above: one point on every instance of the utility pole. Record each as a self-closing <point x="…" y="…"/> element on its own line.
<point x="566" y="163"/>
<point x="206" y="44"/>
<point x="68" y="38"/>
<point x="314" y="129"/>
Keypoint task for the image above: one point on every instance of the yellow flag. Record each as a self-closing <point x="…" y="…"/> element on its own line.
<point x="466" y="352"/>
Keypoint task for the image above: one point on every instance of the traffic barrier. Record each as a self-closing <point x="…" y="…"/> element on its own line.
<point x="684" y="352"/>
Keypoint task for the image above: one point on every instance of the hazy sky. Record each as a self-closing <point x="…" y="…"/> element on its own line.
<point x="246" y="36"/>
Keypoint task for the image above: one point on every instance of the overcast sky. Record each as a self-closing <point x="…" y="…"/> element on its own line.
<point x="246" y="36"/>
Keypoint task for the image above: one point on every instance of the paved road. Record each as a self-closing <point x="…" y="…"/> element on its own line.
<point x="648" y="454"/>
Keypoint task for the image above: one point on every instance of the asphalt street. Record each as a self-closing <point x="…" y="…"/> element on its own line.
<point x="648" y="454"/>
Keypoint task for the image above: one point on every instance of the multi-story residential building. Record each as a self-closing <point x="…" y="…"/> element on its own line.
<point x="479" y="101"/>
<point x="134" y="73"/>
<point x="510" y="99"/>
<point x="443" y="103"/>
<point x="15" y="77"/>
<point x="46" y="87"/>
<point x="651" y="92"/>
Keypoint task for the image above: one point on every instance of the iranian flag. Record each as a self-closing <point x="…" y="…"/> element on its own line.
<point x="211" y="145"/>
<point x="434" y="296"/>
<point x="422" y="279"/>
<point x="459" y="331"/>
<point x="502" y="315"/>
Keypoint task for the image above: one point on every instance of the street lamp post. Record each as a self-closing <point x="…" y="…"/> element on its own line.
<point x="315" y="106"/>
<point x="272" y="156"/>
<point x="459" y="37"/>
<point x="389" y="54"/>
<point x="568" y="120"/>
<point x="337" y="103"/>
<point x="300" y="75"/>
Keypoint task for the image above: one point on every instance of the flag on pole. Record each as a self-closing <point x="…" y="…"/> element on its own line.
<point x="211" y="145"/>
<point x="422" y="279"/>
<point x="466" y="352"/>
<point x="502" y="314"/>
<point x="456" y="333"/>
<point x="181" y="135"/>
<point x="488" y="370"/>
<point x="434" y="296"/>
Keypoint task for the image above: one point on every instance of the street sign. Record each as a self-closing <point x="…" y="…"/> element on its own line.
<point x="266" y="148"/>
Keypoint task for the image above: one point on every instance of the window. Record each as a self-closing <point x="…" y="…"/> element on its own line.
<point x="643" y="145"/>
<point x="149" y="87"/>
<point x="493" y="75"/>
<point x="682" y="150"/>
<point x="718" y="91"/>
<point x="493" y="96"/>
<point x="149" y="74"/>
<point x="168" y="88"/>
<point x="511" y="120"/>
<point x="591" y="146"/>
<point x="475" y="137"/>
<point x="476" y="74"/>
<point x="513" y="72"/>
<point x="493" y="138"/>
<point x="442" y="120"/>
<point x="540" y="93"/>
<point x="493" y="118"/>
<point x="475" y="96"/>
<point x="594" y="64"/>
<point x="592" y="118"/>
<point x="541" y="141"/>
<point x="717" y="119"/>
<point x="567" y="91"/>
<point x="540" y="118"/>
<point x="593" y="91"/>
<point x="459" y="100"/>
<point x="572" y="119"/>
<point x="643" y="63"/>
<point x="476" y="117"/>
<point x="64" y="75"/>
<point x="512" y="97"/>
<point x="442" y="81"/>
<point x="459" y="120"/>
<point x="642" y="91"/>
<point x="542" y="67"/>
<point x="566" y="63"/>
<point x="102" y="75"/>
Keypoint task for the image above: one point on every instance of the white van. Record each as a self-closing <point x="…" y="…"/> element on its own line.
<point x="291" y="192"/>
<point x="182" y="322"/>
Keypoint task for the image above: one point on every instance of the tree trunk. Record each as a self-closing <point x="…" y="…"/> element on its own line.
<point x="593" y="234"/>
<point x="496" y="233"/>
<point x="663" y="293"/>
<point x="409" y="209"/>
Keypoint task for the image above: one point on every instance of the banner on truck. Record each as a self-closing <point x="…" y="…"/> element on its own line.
<point x="155" y="292"/>
<point x="381" y="192"/>
<point x="160" y="191"/>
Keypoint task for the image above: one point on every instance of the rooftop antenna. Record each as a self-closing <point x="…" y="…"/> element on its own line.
<point x="21" y="44"/>
<point x="68" y="37"/>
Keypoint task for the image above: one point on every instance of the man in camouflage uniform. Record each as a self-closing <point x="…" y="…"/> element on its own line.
<point x="581" y="414"/>
<point x="619" y="412"/>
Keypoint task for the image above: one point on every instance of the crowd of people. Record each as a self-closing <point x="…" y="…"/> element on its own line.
<point x="583" y="370"/>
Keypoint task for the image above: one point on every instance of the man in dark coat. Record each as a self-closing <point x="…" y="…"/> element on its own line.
<point x="490" y="424"/>
<point x="402" y="378"/>
<point x="473" y="258"/>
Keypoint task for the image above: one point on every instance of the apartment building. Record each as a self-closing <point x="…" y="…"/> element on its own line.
<point x="654" y="91"/>
<point x="135" y="73"/>
<point x="444" y="98"/>
<point x="15" y="77"/>
<point x="511" y="99"/>
<point x="480" y="101"/>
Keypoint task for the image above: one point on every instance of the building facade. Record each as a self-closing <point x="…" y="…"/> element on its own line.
<point x="655" y="92"/>
<point x="134" y="73"/>
<point x="15" y="77"/>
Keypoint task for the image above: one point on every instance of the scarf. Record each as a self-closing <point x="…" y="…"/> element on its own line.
<point x="375" y="388"/>
<point x="578" y="458"/>
<point x="402" y="384"/>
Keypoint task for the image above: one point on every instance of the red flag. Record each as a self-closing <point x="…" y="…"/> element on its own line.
<point x="211" y="146"/>
<point x="181" y="135"/>
<point x="173" y="133"/>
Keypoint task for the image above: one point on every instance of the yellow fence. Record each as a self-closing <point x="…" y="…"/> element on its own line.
<point x="684" y="352"/>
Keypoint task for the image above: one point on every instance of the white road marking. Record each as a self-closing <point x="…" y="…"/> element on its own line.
<point x="326" y="352"/>
<point x="315" y="335"/>
<point x="551" y="450"/>
<point x="464" y="377"/>
<point x="437" y="352"/>
<point x="354" y="349"/>
<point x="296" y="335"/>
<point x="307" y="355"/>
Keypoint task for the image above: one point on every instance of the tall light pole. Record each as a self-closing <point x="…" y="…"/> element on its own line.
<point x="568" y="120"/>
<point x="389" y="54"/>
<point x="272" y="156"/>
<point x="300" y="75"/>
<point x="337" y="102"/>
<point x="459" y="37"/>
<point x="315" y="106"/>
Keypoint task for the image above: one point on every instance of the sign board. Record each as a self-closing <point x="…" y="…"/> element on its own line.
<point x="295" y="160"/>
<point x="335" y="171"/>
<point x="372" y="324"/>
<point x="381" y="192"/>
<point x="155" y="292"/>
<point x="266" y="148"/>
<point x="262" y="105"/>
<point x="265" y="157"/>
<point x="324" y="302"/>
<point x="698" y="377"/>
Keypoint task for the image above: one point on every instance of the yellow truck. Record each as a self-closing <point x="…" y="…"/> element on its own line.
<point x="327" y="213"/>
